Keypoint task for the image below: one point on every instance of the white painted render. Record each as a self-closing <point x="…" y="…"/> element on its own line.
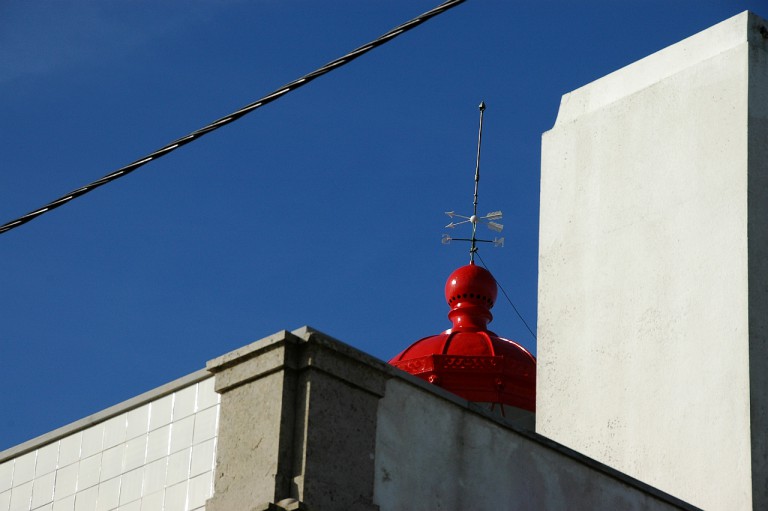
<point x="645" y="306"/>
<point x="438" y="455"/>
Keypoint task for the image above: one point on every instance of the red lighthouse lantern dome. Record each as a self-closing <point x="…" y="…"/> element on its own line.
<point x="468" y="359"/>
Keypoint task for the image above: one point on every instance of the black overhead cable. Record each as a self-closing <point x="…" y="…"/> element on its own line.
<point x="530" y="331"/>
<point x="281" y="91"/>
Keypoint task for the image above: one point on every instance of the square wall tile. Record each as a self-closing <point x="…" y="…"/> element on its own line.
<point x="66" y="481"/>
<point x="176" y="497"/>
<point x="109" y="495"/>
<point x="24" y="468"/>
<point x="86" y="500"/>
<point x="42" y="490"/>
<point x="21" y="497"/>
<point x="6" y="477"/>
<point x="178" y="467"/>
<point x="153" y="501"/>
<point x="202" y="457"/>
<point x="132" y="506"/>
<point x="5" y="500"/>
<point x="67" y="504"/>
<point x="205" y="424"/>
<point x="69" y="449"/>
<point x="200" y="489"/>
<point x="135" y="453"/>
<point x="184" y="402"/>
<point x="114" y="431"/>
<point x="154" y="476"/>
<point x="182" y="432"/>
<point x="93" y="441"/>
<point x="161" y="412"/>
<point x="47" y="458"/>
<point x="130" y="486"/>
<point x="206" y="396"/>
<point x="158" y="443"/>
<point x="89" y="472"/>
<point x="138" y="422"/>
<point x="112" y="462"/>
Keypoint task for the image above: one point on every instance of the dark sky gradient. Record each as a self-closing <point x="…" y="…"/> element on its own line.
<point x="324" y="208"/>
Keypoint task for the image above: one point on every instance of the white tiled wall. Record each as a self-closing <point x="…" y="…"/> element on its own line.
<point x="157" y="457"/>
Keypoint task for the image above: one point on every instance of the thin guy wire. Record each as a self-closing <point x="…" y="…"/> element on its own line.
<point x="510" y="301"/>
<point x="195" y="135"/>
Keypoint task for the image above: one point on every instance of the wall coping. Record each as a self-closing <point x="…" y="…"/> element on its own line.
<point x="728" y="34"/>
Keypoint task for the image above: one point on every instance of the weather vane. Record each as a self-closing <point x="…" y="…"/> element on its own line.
<point x="490" y="219"/>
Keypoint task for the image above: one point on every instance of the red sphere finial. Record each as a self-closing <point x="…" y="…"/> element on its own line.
<point x="471" y="293"/>
<point x="470" y="284"/>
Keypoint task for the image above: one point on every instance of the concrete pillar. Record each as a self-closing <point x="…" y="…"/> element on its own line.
<point x="653" y="269"/>
<point x="281" y="446"/>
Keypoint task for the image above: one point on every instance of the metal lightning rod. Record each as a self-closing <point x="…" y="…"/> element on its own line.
<point x="490" y="220"/>
<point x="473" y="248"/>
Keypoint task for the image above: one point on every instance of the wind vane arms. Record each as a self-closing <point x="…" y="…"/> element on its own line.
<point x="490" y="220"/>
<point x="487" y="220"/>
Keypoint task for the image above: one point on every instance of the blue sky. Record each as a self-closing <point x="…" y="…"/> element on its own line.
<point x="324" y="208"/>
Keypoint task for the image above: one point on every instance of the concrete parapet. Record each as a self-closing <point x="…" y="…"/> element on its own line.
<point x="281" y="447"/>
<point x="309" y="423"/>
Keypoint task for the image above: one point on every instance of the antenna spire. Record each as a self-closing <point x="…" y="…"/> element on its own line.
<point x="489" y="219"/>
<point x="477" y="183"/>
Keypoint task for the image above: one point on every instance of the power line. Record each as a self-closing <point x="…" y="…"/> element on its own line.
<point x="195" y="135"/>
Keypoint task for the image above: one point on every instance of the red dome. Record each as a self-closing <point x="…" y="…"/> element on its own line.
<point x="468" y="359"/>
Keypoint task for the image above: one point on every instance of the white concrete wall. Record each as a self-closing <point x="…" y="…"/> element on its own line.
<point x="159" y="455"/>
<point x="644" y="308"/>
<point x="758" y="261"/>
<point x="432" y="453"/>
